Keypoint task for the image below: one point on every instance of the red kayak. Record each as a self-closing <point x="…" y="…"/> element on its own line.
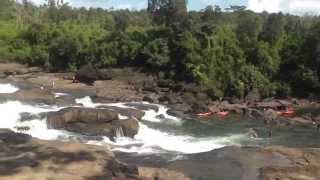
<point x="289" y="112"/>
<point x="223" y="113"/>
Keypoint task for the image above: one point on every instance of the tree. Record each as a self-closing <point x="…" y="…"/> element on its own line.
<point x="63" y="52"/>
<point x="168" y="11"/>
<point x="273" y="29"/>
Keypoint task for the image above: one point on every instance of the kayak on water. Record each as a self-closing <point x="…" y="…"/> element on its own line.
<point x="223" y="113"/>
<point x="288" y="112"/>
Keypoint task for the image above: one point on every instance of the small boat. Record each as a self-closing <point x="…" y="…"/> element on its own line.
<point x="223" y="113"/>
<point x="207" y="114"/>
<point x="288" y="112"/>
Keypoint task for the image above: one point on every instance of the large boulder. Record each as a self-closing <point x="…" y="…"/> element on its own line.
<point x="88" y="74"/>
<point x="91" y="122"/>
<point x="129" y="112"/>
<point x="129" y="127"/>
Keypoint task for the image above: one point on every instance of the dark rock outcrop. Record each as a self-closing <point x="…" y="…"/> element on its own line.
<point x="88" y="74"/>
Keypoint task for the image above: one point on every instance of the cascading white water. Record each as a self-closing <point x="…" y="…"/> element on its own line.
<point x="57" y="95"/>
<point x="148" y="140"/>
<point x="154" y="139"/>
<point x="119" y="132"/>
<point x="10" y="113"/>
<point x="8" y="89"/>
<point x="153" y="116"/>
<point x="86" y="102"/>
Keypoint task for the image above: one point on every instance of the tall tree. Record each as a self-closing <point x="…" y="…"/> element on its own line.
<point x="168" y="10"/>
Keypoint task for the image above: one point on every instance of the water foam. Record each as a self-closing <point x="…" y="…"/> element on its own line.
<point x="86" y="102"/>
<point x="153" y="116"/>
<point x="8" y="89"/>
<point x="148" y="140"/>
<point x="58" y="94"/>
<point x="155" y="141"/>
<point x="11" y="110"/>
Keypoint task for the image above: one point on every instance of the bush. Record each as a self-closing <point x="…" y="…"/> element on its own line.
<point x="39" y="57"/>
<point x="63" y="53"/>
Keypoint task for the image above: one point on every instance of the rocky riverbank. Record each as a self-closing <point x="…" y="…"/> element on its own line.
<point x="235" y="163"/>
<point x="126" y="85"/>
<point x="22" y="155"/>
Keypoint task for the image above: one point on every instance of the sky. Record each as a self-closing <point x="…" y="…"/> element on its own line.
<point x="299" y="7"/>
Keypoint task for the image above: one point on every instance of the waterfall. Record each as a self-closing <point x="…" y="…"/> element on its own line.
<point x="119" y="132"/>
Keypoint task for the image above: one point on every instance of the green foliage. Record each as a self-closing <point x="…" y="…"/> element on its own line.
<point x="39" y="56"/>
<point x="63" y="52"/>
<point x="226" y="53"/>
<point x="156" y="54"/>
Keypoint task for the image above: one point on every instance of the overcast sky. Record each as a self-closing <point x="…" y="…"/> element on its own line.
<point x="288" y="6"/>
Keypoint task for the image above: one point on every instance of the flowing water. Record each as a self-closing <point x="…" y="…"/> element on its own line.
<point x="159" y="132"/>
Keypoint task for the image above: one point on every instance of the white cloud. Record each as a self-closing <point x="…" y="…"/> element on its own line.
<point x="299" y="7"/>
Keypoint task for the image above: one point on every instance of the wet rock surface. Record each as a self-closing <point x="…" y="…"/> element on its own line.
<point x="239" y="163"/>
<point x="23" y="157"/>
<point x="91" y="122"/>
<point x="235" y="163"/>
<point x="34" y="95"/>
<point x="130" y="86"/>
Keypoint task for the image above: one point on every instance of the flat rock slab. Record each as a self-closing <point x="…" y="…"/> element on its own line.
<point x="235" y="163"/>
<point x="24" y="158"/>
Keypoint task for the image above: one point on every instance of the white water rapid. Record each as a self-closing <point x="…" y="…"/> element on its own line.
<point x="7" y="89"/>
<point x="148" y="140"/>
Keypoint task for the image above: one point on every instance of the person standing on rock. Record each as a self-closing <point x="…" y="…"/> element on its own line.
<point x="270" y="131"/>
<point x="52" y="84"/>
<point x="252" y="133"/>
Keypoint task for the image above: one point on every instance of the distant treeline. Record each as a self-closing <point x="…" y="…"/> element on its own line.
<point x="228" y="53"/>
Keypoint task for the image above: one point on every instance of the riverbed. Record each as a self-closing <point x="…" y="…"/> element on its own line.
<point x="162" y="138"/>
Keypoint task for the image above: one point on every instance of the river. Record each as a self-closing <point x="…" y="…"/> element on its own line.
<point x="160" y="134"/>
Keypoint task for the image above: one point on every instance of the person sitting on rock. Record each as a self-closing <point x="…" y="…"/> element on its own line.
<point x="252" y="133"/>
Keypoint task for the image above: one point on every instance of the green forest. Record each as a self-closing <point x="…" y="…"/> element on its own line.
<point x="229" y="52"/>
